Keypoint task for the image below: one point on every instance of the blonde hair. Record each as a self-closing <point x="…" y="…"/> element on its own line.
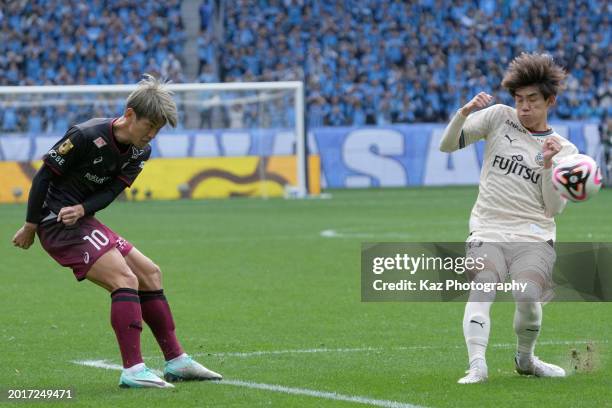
<point x="153" y="101"/>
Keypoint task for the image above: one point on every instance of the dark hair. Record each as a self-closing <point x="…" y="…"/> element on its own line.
<point x="534" y="69"/>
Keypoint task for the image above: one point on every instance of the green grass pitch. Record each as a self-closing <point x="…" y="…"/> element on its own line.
<point x="250" y="275"/>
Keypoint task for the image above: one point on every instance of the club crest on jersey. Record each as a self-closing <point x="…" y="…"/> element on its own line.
<point x="100" y="142"/>
<point x="539" y="159"/>
<point x="65" y="147"/>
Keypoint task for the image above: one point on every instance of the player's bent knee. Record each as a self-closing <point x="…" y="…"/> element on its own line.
<point x="150" y="278"/>
<point x="529" y="292"/>
<point x="486" y="276"/>
<point x="155" y="271"/>
<point x="130" y="280"/>
<point x="123" y="279"/>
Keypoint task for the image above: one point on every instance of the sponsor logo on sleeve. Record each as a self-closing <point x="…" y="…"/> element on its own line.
<point x="56" y="157"/>
<point x="65" y="147"/>
<point x="100" y="142"/>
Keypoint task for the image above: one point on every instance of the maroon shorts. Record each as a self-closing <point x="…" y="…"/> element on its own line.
<point x="80" y="245"/>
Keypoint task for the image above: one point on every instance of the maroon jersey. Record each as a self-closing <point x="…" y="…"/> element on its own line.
<point x="87" y="159"/>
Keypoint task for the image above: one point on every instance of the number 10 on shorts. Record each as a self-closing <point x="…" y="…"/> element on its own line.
<point x="97" y="239"/>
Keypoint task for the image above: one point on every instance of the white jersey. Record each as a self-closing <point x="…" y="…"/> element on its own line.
<point x="511" y="203"/>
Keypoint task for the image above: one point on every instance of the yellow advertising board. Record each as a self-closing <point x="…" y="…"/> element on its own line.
<point x="169" y="179"/>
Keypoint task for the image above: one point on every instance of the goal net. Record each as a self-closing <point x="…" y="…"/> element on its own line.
<point x="232" y="139"/>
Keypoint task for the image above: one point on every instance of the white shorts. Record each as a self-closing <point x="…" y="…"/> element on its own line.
<point x="532" y="261"/>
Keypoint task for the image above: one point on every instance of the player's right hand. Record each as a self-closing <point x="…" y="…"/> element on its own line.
<point x="480" y="101"/>
<point x="70" y="215"/>
<point x="24" y="237"/>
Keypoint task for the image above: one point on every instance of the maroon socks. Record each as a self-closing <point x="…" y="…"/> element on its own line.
<point x="126" y="319"/>
<point x="156" y="313"/>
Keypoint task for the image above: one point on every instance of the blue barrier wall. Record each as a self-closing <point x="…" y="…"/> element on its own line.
<point x="389" y="156"/>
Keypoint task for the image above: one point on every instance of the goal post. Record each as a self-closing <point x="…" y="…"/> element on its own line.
<point x="261" y="120"/>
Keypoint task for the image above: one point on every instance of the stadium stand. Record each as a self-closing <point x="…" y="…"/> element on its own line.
<point x="375" y="62"/>
<point x="51" y="42"/>
<point x="364" y="61"/>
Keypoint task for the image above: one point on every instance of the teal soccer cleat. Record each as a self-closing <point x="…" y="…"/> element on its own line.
<point x="143" y="378"/>
<point x="184" y="368"/>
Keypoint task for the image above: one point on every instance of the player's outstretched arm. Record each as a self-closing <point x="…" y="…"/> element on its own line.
<point x="452" y="136"/>
<point x="553" y="202"/>
<point x="24" y="237"/>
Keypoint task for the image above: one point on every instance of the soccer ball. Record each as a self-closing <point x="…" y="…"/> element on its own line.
<point x="577" y="177"/>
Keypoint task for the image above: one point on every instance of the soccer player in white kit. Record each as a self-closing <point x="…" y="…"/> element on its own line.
<point x="512" y="221"/>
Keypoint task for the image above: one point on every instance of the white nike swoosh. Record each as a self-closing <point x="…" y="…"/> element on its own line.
<point x="161" y="384"/>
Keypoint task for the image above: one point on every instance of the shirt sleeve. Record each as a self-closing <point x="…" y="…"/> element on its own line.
<point x="66" y="152"/>
<point x="463" y="131"/>
<point x="102" y="199"/>
<point x="134" y="167"/>
<point x="38" y="193"/>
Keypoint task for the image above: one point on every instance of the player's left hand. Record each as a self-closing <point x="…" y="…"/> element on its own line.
<point x="70" y="215"/>
<point x="550" y="148"/>
<point x="24" y="237"/>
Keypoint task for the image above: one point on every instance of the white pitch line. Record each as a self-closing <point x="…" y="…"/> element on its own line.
<point x="318" y="394"/>
<point x="325" y="394"/>
<point x="278" y="388"/>
<point x="376" y="349"/>
<point x="107" y="366"/>
<point x="98" y="364"/>
<point x="330" y="233"/>
<point x="294" y="351"/>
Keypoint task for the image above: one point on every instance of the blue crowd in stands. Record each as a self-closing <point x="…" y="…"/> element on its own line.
<point x="363" y="61"/>
<point x="65" y="42"/>
<point x="380" y="62"/>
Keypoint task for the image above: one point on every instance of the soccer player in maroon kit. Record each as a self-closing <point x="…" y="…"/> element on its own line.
<point x="82" y="174"/>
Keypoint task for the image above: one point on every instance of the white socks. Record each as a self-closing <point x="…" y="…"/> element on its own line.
<point x="527" y="320"/>
<point x="177" y="358"/>
<point x="476" y="328"/>
<point x="135" y="368"/>
<point x="476" y="320"/>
